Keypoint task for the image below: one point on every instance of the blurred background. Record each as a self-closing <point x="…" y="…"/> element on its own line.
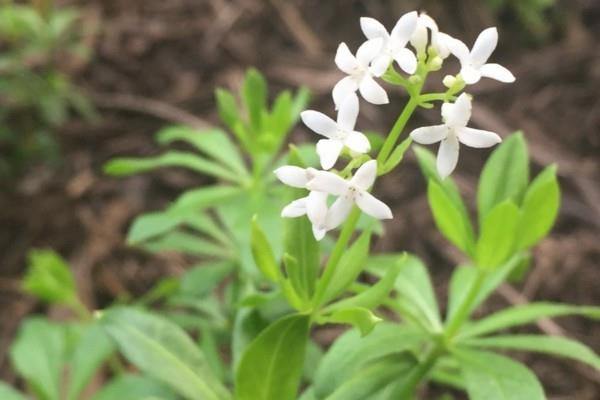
<point x="82" y="82"/>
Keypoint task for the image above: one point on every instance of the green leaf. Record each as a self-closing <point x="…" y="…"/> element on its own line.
<point x="8" y="393"/>
<point x="163" y="351"/>
<point x="414" y="287"/>
<point x="397" y="155"/>
<point x="362" y="318"/>
<point x="229" y="114"/>
<point x="247" y="325"/>
<point x="553" y="345"/>
<point x="301" y="100"/>
<point x="263" y="253"/>
<point x="186" y="243"/>
<point x="540" y="208"/>
<point x="37" y="355"/>
<point x="49" y="278"/>
<point x="525" y="314"/>
<point x="92" y="349"/>
<point x="272" y="364"/>
<point x="490" y="376"/>
<point x="375" y="378"/>
<point x="185" y="207"/>
<point x="504" y="176"/>
<point x="280" y="119"/>
<point x="214" y="143"/>
<point x="203" y="278"/>
<point x="133" y="387"/>
<point x="254" y="93"/>
<point x="131" y="166"/>
<point x="350" y="352"/>
<point x="449" y="219"/>
<point x="498" y="231"/>
<point x="349" y="268"/>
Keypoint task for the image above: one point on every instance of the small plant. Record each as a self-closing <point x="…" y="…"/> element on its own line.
<point x="239" y="324"/>
<point x="35" y="92"/>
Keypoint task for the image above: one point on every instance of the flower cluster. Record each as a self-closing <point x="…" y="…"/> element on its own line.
<point x="376" y="59"/>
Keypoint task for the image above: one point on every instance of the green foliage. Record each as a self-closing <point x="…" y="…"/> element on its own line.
<point x="48" y="277"/>
<point x="163" y="351"/>
<point x="134" y="387"/>
<point x="36" y="90"/>
<point x="272" y="364"/>
<point x="8" y="393"/>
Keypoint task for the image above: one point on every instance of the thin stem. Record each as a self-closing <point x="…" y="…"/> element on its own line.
<point x="397" y="129"/>
<point x="416" y="376"/>
<point x="336" y="255"/>
<point x="465" y="308"/>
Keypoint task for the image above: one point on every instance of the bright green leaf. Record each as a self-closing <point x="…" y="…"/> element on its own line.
<point x="498" y="231"/>
<point x="163" y="351"/>
<point x="133" y="387"/>
<point x="504" y="176"/>
<point x="397" y="155"/>
<point x="229" y="114"/>
<point x="8" y="393"/>
<point x="272" y="364"/>
<point x="489" y="376"/>
<point x="263" y="253"/>
<point x="362" y="318"/>
<point x="49" y="278"/>
<point x="254" y="93"/>
<point x="540" y="208"/>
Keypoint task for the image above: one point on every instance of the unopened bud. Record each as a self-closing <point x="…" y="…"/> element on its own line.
<point x="415" y="79"/>
<point x="436" y="63"/>
<point x="449" y="81"/>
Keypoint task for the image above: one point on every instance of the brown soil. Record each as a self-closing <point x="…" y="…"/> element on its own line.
<point x="158" y="62"/>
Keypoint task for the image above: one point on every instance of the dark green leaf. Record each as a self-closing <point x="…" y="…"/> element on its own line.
<point x="504" y="176"/>
<point x="163" y="351"/>
<point x="271" y="367"/>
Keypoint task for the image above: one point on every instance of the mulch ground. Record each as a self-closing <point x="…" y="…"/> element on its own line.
<point x="158" y="62"/>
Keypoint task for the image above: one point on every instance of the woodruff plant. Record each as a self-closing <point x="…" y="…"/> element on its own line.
<point x="267" y="352"/>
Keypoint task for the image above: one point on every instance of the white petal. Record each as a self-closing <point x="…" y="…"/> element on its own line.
<point x="292" y="176"/>
<point x="460" y="50"/>
<point x="447" y="156"/>
<point x="497" y="72"/>
<point x="295" y="209"/>
<point x="373" y="28"/>
<point x="470" y="74"/>
<point x="316" y="208"/>
<point x="348" y="113"/>
<point x="380" y="64"/>
<point x="368" y="51"/>
<point x="419" y="38"/>
<point x="458" y="113"/>
<point x="372" y="206"/>
<point x="484" y="46"/>
<point x="477" y="137"/>
<point x="338" y="212"/>
<point x="440" y="43"/>
<point x="429" y="134"/>
<point x="319" y="122"/>
<point x="406" y="60"/>
<point x="328" y="182"/>
<point x="428" y="22"/>
<point x="365" y="175"/>
<point x="329" y="150"/>
<point x="404" y="29"/>
<point x="344" y="88"/>
<point x="318" y="232"/>
<point x="345" y="60"/>
<point x="357" y="142"/>
<point x="372" y="92"/>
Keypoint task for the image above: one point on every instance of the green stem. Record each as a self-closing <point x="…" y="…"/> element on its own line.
<point x="336" y="255"/>
<point x="414" y="377"/>
<point x="397" y="129"/>
<point x="466" y="307"/>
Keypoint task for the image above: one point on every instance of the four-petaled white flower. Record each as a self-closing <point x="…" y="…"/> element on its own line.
<point x="474" y="62"/>
<point x="338" y="134"/>
<point x="314" y="206"/>
<point x="439" y="40"/>
<point x="359" y="76"/>
<point x="350" y="192"/>
<point x="454" y="130"/>
<point x="394" y="43"/>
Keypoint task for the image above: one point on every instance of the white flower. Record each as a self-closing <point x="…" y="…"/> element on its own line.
<point x="350" y="192"/>
<point x="474" y="62"/>
<point x="394" y="43"/>
<point x="439" y="40"/>
<point x="338" y="134"/>
<point x="359" y="76"/>
<point x="454" y="130"/>
<point x="314" y="206"/>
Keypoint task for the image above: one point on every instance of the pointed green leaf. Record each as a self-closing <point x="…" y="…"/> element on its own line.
<point x="504" y="176"/>
<point x="498" y="231"/>
<point x="271" y="367"/>
<point x="540" y="208"/>
<point x="254" y="93"/>
<point x="203" y="278"/>
<point x="263" y="253"/>
<point x="49" y="278"/>
<point x="229" y="114"/>
<point x="362" y="318"/>
<point x="397" y="155"/>
<point x="163" y="351"/>
<point x="182" y="242"/>
<point x="490" y="376"/>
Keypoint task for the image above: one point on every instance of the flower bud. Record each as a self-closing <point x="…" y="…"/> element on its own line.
<point x="436" y="63"/>
<point x="449" y="81"/>
<point x="415" y="79"/>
